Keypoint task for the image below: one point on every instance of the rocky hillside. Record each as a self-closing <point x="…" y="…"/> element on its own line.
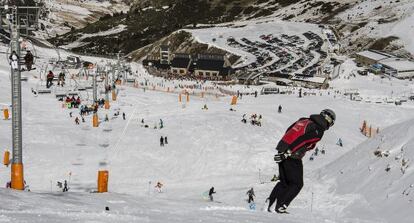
<point x="359" y="24"/>
<point x="148" y="21"/>
<point x="180" y="42"/>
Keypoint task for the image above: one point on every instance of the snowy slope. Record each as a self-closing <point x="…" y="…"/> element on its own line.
<point x="390" y="193"/>
<point x="384" y="18"/>
<point x="206" y="148"/>
<point x="64" y="14"/>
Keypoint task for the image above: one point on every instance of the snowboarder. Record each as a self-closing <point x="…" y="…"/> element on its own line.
<point x="279" y="110"/>
<point x="28" y="60"/>
<point x="65" y="186"/>
<point x="162" y="141"/>
<point x="123" y="115"/>
<point x="251" y="195"/>
<point x="210" y="193"/>
<point x="299" y="138"/>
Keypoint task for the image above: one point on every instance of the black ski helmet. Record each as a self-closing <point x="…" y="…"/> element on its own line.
<point x="329" y="116"/>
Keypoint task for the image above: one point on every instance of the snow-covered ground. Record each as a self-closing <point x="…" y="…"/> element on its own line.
<point x="205" y="148"/>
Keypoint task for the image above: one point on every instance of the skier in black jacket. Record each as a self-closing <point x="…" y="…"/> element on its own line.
<point x="299" y="138"/>
<point x="210" y="193"/>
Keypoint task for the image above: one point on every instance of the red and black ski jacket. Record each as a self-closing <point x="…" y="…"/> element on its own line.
<point x="303" y="135"/>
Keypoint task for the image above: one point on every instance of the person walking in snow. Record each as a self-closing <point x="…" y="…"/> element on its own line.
<point x="279" y="110"/>
<point x="65" y="186"/>
<point x="165" y="140"/>
<point x="123" y="115"/>
<point x="210" y="193"/>
<point x="299" y="138"/>
<point x="251" y="195"/>
<point x="162" y="141"/>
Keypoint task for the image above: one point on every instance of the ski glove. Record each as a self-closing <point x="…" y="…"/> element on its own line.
<point x="282" y="156"/>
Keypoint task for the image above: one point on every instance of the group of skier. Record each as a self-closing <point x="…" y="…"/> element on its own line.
<point x="163" y="140"/>
<point x="254" y="119"/>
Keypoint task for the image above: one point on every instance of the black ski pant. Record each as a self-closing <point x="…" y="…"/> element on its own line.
<point x="290" y="184"/>
<point x="251" y="199"/>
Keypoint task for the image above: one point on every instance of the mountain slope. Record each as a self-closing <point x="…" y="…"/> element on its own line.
<point x="389" y="192"/>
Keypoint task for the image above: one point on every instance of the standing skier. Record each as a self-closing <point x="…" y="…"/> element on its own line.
<point x="299" y="138"/>
<point x="210" y="193"/>
<point x="162" y="141"/>
<point x="251" y="195"/>
<point x="65" y="186"/>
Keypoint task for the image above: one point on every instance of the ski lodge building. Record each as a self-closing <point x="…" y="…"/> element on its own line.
<point x="399" y="68"/>
<point x="180" y="64"/>
<point x="380" y="62"/>
<point x="371" y="57"/>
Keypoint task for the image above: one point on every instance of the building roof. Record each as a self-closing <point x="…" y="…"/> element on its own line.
<point x="375" y="55"/>
<point x="318" y="80"/>
<point x="179" y="62"/>
<point x="399" y="64"/>
<point x="213" y="65"/>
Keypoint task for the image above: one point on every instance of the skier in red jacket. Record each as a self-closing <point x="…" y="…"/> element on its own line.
<point x="299" y="138"/>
